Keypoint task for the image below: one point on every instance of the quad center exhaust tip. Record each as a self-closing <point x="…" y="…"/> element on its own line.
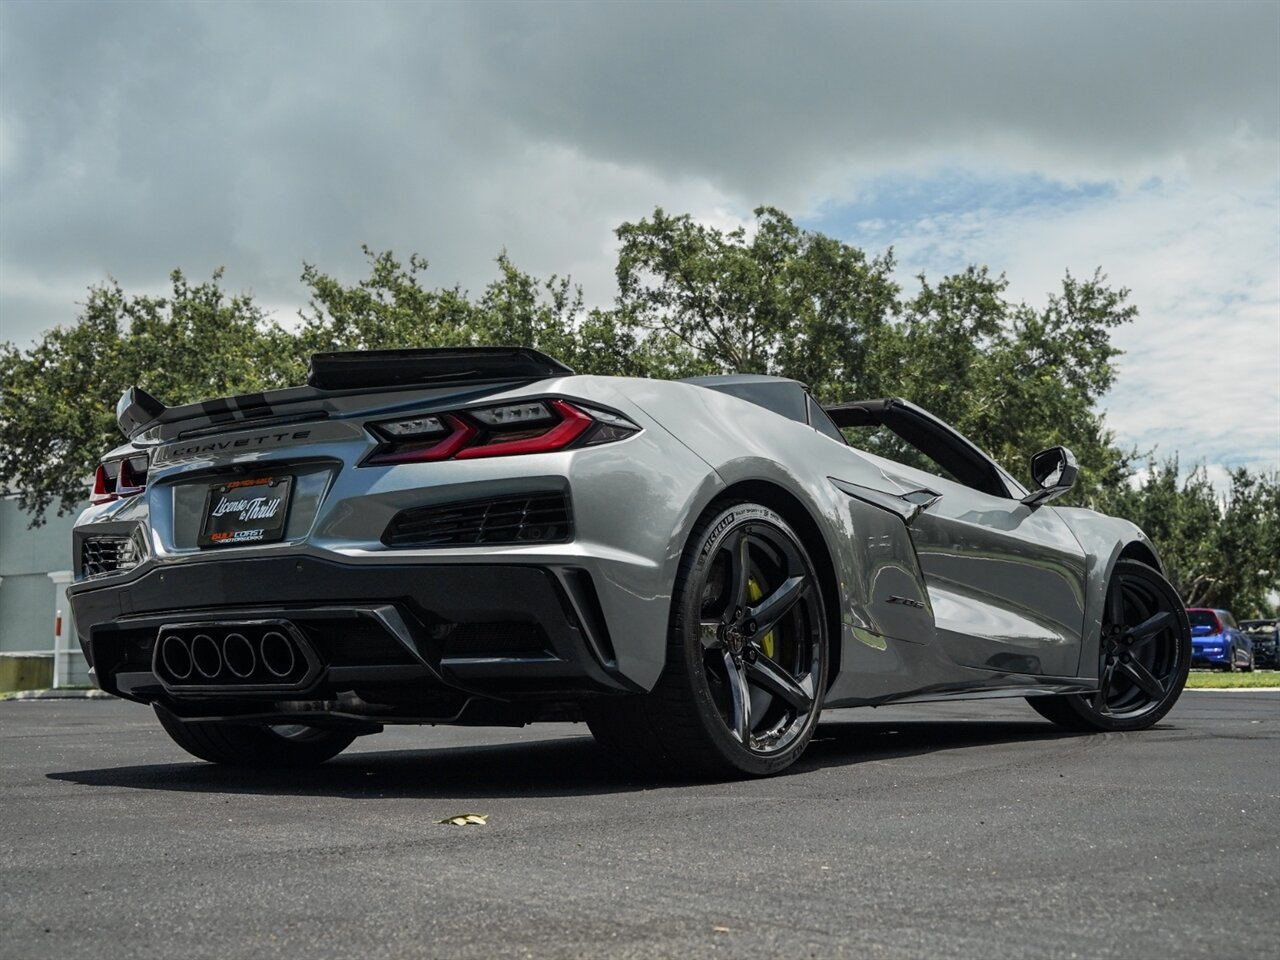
<point x="238" y="654"/>
<point x="277" y="654"/>
<point x="176" y="656"/>
<point x="230" y="655"/>
<point x="206" y="656"/>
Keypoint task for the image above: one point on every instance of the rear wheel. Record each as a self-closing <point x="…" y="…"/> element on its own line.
<point x="1144" y="654"/>
<point x="746" y="659"/>
<point x="1232" y="666"/>
<point x="1250" y="663"/>
<point x="241" y="745"/>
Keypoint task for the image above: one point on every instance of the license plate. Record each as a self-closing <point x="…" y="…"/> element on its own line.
<point x="241" y="512"/>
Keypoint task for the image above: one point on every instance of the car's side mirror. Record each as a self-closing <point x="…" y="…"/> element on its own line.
<point x="1054" y="472"/>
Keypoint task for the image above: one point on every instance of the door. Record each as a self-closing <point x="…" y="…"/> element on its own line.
<point x="1006" y="580"/>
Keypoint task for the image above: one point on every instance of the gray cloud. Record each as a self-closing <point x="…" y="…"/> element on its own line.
<point x="761" y="96"/>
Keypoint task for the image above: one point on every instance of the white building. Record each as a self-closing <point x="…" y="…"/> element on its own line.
<point x="35" y="569"/>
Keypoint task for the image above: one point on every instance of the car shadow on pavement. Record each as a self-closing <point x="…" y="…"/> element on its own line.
<point x="563" y="766"/>
<point x="837" y="743"/>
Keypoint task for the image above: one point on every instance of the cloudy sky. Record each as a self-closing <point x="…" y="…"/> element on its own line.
<point x="1034" y="137"/>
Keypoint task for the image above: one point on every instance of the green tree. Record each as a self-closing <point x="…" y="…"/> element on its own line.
<point x="783" y="300"/>
<point x="796" y="303"/>
<point x="1015" y="379"/>
<point x="1217" y="550"/>
<point x="57" y="401"/>
<point x="390" y="308"/>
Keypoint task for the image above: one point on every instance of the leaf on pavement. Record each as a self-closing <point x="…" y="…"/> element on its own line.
<point x="466" y="820"/>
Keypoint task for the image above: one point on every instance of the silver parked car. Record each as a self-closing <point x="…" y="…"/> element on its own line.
<point x="696" y="568"/>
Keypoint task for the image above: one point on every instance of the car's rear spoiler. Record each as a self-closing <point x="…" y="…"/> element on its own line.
<point x="357" y="371"/>
<point x="362" y="369"/>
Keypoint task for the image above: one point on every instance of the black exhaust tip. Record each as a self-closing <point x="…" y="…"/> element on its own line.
<point x="246" y="656"/>
<point x="277" y="654"/>
<point x="239" y="656"/>
<point x="206" y="656"/>
<point x="176" y="656"/>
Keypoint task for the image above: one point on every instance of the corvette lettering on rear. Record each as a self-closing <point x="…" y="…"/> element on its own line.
<point x="185" y="451"/>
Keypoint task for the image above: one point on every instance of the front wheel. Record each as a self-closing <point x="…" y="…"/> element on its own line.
<point x="241" y="745"/>
<point x="1143" y="657"/>
<point x="746" y="663"/>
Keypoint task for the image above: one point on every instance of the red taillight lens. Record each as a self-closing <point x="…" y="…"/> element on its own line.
<point x="434" y="448"/>
<point x="127" y="482"/>
<point x="118" y="478"/>
<point x="104" y="487"/>
<point x="572" y="425"/>
<point x="541" y="426"/>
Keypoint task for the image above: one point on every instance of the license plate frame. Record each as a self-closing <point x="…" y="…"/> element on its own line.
<point x="246" y="511"/>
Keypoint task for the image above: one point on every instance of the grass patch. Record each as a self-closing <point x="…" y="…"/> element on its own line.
<point x="1213" y="680"/>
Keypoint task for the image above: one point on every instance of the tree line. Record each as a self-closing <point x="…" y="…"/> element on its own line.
<point x="692" y="299"/>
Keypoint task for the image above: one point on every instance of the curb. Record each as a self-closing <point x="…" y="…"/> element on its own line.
<point x="1230" y="689"/>
<point x="59" y="695"/>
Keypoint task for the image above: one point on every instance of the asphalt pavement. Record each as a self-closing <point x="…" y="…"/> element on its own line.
<point x="969" y="829"/>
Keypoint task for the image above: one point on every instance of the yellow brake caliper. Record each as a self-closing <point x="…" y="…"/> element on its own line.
<point x="754" y="593"/>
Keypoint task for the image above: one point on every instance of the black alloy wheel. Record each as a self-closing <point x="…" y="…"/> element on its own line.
<point x="746" y="656"/>
<point x="759" y="629"/>
<point x="1144" y="653"/>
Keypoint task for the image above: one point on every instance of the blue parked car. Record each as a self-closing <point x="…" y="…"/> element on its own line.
<point x="1216" y="641"/>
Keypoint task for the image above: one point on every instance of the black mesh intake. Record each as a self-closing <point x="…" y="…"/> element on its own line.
<point x="100" y="555"/>
<point x="531" y="518"/>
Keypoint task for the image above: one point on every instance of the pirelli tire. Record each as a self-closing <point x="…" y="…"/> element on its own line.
<point x="746" y="661"/>
<point x="242" y="745"/>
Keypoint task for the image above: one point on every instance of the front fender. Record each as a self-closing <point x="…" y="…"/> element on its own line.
<point x="1105" y="540"/>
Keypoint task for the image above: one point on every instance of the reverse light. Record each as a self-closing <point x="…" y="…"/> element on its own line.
<point x="516" y="414"/>
<point x="542" y="426"/>
<point x="417" y="427"/>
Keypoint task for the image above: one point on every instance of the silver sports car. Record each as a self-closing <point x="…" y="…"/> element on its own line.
<point x="694" y="568"/>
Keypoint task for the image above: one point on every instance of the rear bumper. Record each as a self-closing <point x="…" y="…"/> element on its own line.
<point x="1209" y="658"/>
<point x="391" y="642"/>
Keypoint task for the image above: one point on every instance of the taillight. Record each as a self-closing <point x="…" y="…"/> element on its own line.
<point x="118" y="478"/>
<point x="534" y="426"/>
